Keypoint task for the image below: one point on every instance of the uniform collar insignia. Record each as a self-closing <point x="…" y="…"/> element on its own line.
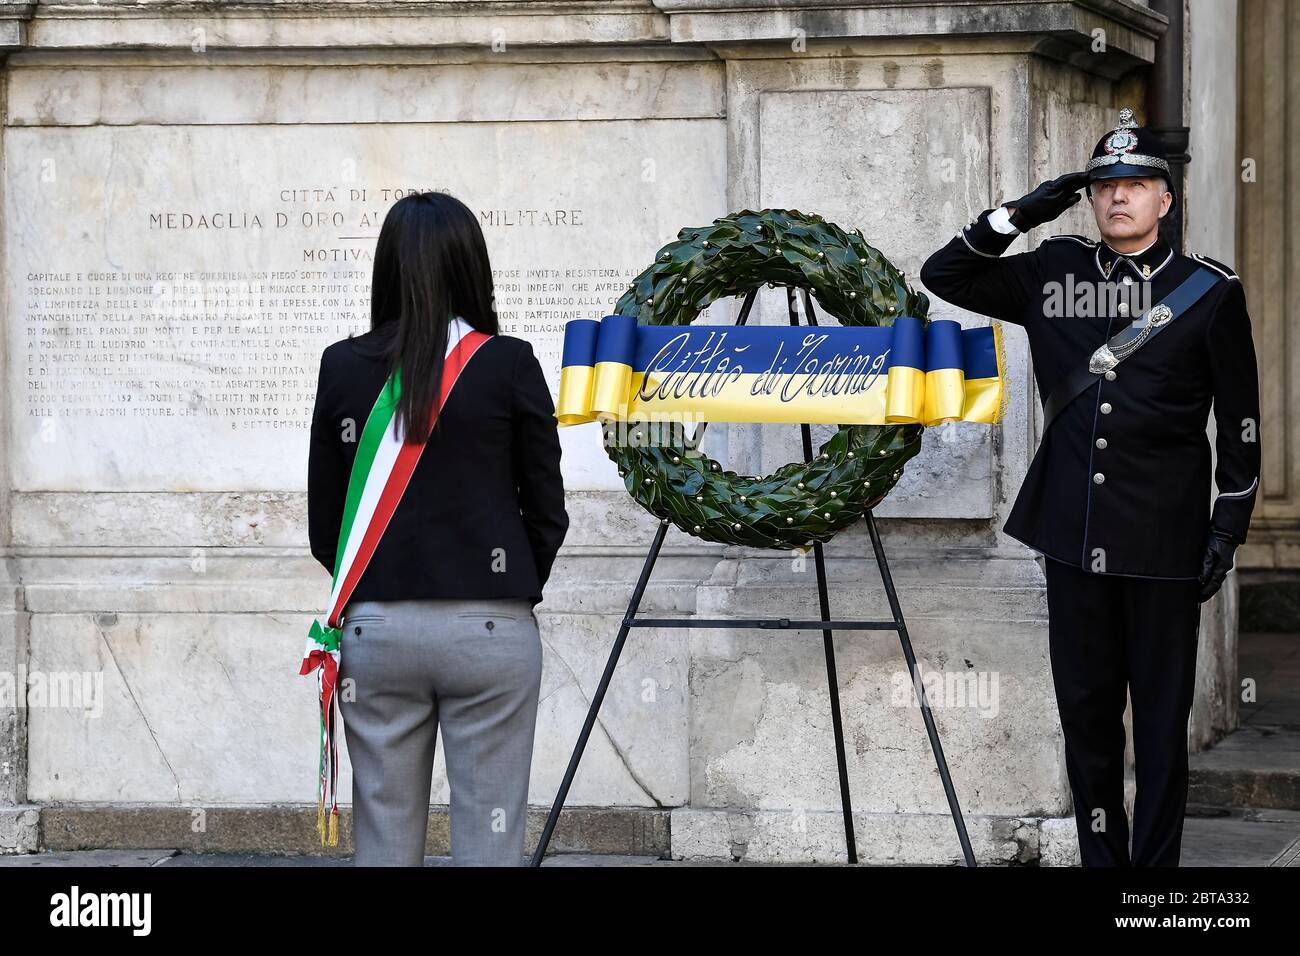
<point x="1143" y="265"/>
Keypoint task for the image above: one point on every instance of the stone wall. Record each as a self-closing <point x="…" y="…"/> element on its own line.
<point x="1265" y="171"/>
<point x="163" y="554"/>
<point x="1211" y="230"/>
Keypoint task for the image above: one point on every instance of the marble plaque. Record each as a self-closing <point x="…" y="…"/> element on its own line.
<point x="171" y="288"/>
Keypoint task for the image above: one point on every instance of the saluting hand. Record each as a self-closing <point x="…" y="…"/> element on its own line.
<point x="1216" y="563"/>
<point x="1047" y="201"/>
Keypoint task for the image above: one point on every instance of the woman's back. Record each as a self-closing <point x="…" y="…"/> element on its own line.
<point x="453" y="520"/>
<point x="484" y="512"/>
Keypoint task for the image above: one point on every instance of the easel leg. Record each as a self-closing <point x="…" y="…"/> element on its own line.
<point x="910" y="657"/>
<point x="599" y="696"/>
<point x="828" y="641"/>
<point x="832" y="681"/>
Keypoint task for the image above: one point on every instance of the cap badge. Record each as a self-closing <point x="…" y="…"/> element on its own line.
<point x="1120" y="141"/>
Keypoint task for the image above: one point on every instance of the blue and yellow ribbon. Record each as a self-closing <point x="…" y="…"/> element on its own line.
<point x="907" y="373"/>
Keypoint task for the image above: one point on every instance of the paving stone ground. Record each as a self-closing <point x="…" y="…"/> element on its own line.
<point x="1212" y="836"/>
<point x="165" y="857"/>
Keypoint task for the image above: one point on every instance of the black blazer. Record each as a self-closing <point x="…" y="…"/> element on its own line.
<point x="1121" y="481"/>
<point x="483" y="515"/>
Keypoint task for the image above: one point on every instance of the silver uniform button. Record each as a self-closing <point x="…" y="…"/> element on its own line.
<point x="1098" y="478"/>
<point x="1123" y="308"/>
<point x="1101" y="443"/>
<point x="1128" y="280"/>
<point x="1110" y="375"/>
<point x="1105" y="408"/>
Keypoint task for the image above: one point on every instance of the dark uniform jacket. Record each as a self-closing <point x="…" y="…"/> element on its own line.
<point x="1121" y="481"/>
<point x="483" y="515"/>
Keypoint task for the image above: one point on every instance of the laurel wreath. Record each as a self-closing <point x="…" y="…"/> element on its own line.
<point x="800" y="502"/>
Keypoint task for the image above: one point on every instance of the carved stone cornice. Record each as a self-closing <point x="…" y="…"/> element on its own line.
<point x="1064" y="29"/>
<point x="1068" y="30"/>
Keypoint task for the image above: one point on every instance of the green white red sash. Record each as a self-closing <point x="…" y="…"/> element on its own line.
<point x="380" y="474"/>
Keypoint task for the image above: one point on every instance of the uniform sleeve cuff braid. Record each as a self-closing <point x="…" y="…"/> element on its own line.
<point x="981" y="236"/>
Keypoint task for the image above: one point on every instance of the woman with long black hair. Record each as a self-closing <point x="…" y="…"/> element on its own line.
<point x="435" y="499"/>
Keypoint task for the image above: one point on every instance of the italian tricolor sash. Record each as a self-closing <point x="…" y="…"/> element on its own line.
<point x="380" y="474"/>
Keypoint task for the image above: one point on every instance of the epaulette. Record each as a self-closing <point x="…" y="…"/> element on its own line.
<point x="1082" y="240"/>
<point x="1217" y="266"/>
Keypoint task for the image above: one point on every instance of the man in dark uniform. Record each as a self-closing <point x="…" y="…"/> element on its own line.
<point x="1132" y="343"/>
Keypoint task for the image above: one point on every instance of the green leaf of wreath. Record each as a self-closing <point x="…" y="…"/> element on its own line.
<point x="799" y="503"/>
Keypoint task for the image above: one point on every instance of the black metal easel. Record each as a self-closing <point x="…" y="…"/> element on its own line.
<point x="825" y="625"/>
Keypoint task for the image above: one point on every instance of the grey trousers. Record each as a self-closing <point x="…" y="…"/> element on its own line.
<point x="473" y="667"/>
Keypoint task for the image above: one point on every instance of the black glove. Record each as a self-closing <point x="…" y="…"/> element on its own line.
<point x="1216" y="564"/>
<point x="1048" y="201"/>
